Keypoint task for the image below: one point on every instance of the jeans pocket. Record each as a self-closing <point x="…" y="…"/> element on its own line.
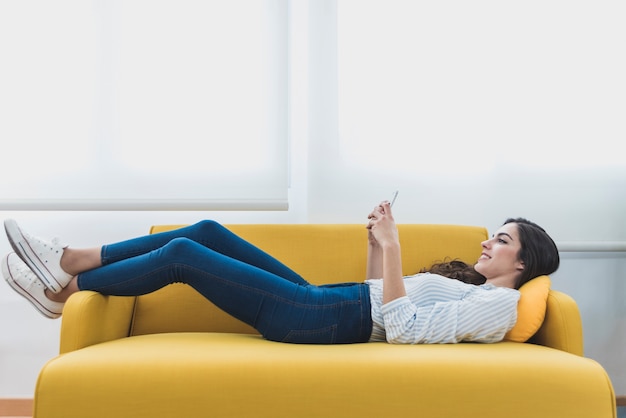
<point x="326" y="335"/>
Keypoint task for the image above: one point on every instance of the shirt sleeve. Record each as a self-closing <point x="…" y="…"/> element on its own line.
<point x="484" y="315"/>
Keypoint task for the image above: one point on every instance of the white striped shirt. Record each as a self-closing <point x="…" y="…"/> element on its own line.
<point x="439" y="310"/>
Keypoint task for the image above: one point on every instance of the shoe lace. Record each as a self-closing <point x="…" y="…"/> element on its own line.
<point x="24" y="271"/>
<point x="54" y="242"/>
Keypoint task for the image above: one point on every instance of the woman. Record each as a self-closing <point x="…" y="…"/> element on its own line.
<point x="254" y="287"/>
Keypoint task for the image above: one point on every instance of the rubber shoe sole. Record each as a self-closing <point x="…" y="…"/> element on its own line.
<point x="50" y="309"/>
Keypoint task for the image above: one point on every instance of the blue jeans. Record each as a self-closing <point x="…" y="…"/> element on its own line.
<point x="239" y="278"/>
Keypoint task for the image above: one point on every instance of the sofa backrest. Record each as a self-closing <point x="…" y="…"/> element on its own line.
<point x="321" y="253"/>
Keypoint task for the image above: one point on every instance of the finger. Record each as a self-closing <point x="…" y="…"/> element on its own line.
<point x="386" y="208"/>
<point x="376" y="213"/>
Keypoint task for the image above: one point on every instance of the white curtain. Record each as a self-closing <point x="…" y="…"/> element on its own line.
<point x="475" y="111"/>
<point x="143" y="104"/>
<point x="167" y="104"/>
<point x="529" y="85"/>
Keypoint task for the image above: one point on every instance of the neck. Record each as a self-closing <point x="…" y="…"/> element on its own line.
<point x="503" y="281"/>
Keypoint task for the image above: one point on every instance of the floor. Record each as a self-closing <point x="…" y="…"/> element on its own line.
<point x="621" y="413"/>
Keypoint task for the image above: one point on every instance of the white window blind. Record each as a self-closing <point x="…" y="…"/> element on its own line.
<point x="143" y="105"/>
<point x="475" y="85"/>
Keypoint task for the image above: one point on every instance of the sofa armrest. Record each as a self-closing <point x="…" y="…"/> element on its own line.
<point x="562" y="326"/>
<point x="90" y="318"/>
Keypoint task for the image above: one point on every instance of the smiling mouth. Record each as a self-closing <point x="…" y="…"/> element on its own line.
<point x="484" y="256"/>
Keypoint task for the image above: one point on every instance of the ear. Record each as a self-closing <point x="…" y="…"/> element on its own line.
<point x="520" y="266"/>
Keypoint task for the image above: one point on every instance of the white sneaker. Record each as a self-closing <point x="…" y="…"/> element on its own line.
<point x="41" y="256"/>
<point x="25" y="282"/>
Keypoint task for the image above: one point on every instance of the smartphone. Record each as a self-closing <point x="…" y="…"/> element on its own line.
<point x="393" y="199"/>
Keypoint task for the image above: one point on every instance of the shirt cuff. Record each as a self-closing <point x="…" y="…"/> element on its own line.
<point x="395" y="304"/>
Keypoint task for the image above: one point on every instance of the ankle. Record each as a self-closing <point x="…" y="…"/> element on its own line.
<point x="68" y="261"/>
<point x="65" y="293"/>
<point x="78" y="260"/>
<point x="55" y="297"/>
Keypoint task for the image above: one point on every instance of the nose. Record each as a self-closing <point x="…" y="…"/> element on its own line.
<point x="485" y="244"/>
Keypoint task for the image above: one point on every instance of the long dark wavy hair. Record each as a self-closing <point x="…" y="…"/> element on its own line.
<point x="458" y="270"/>
<point x="538" y="252"/>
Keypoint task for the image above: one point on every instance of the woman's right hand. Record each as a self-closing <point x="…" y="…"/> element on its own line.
<point x="370" y="222"/>
<point x="374" y="253"/>
<point x="381" y="226"/>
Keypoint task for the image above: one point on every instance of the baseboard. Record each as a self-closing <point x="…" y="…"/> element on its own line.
<point x="16" y="407"/>
<point x="620" y="400"/>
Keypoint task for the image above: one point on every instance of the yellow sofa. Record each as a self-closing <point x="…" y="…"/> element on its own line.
<point x="173" y="354"/>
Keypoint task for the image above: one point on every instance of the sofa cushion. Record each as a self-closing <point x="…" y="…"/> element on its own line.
<point x="237" y="375"/>
<point x="531" y="309"/>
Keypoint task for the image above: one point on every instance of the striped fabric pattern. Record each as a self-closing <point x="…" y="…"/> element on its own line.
<point x="438" y="310"/>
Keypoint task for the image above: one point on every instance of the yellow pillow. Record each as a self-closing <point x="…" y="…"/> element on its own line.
<point x="531" y="309"/>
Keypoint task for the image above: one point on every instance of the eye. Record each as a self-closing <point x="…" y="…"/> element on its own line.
<point x="501" y="241"/>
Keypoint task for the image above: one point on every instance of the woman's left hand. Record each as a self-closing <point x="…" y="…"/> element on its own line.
<point x="382" y="224"/>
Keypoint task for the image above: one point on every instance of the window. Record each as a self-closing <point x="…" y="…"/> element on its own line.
<point x="143" y="104"/>
<point x="537" y="84"/>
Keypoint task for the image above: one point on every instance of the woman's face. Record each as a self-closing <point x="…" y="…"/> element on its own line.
<point x="500" y="256"/>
